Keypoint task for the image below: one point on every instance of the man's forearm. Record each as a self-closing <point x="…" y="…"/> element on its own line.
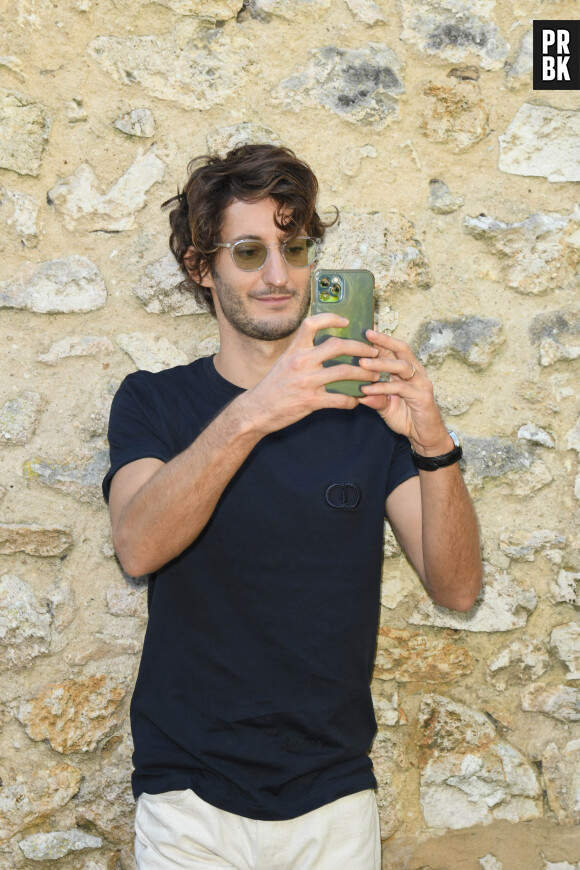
<point x="171" y="509"/>
<point x="451" y="549"/>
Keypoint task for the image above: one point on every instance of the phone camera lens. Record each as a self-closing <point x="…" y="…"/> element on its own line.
<point x="324" y="282"/>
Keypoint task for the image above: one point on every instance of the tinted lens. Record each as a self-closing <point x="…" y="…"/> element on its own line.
<point x="299" y="252"/>
<point x="249" y="255"/>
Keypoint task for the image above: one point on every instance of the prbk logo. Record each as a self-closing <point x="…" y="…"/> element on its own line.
<point x="556" y="55"/>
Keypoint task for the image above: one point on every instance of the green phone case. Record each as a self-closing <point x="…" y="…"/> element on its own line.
<point x="356" y="303"/>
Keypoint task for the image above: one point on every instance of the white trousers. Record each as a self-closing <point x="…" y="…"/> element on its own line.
<point x="179" y="829"/>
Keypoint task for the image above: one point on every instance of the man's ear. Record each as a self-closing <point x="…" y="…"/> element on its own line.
<point x="204" y="278"/>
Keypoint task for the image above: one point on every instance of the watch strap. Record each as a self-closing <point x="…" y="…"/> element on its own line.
<point x="432" y="463"/>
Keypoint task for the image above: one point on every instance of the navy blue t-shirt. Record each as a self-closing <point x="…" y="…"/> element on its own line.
<point x="254" y="683"/>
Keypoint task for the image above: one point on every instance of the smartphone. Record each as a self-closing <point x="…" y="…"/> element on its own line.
<point x="348" y="292"/>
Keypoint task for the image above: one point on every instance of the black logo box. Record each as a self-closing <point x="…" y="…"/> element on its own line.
<point x="556" y="55"/>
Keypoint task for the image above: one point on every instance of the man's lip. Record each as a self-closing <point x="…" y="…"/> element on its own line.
<point x="274" y="297"/>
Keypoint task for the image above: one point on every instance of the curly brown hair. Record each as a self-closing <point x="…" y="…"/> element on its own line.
<point x="248" y="173"/>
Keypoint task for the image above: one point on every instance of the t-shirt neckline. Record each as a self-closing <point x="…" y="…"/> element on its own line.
<point x="225" y="386"/>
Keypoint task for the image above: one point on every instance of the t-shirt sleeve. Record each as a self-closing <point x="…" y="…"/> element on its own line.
<point x="134" y="430"/>
<point x="402" y="466"/>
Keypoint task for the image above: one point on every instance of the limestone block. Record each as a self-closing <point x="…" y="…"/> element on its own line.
<point x="524" y="545"/>
<point x="126" y="601"/>
<point x="150" y="352"/>
<point x="98" y="647"/>
<point x="472" y="340"/>
<point x="574" y="444"/>
<point x="468" y="775"/>
<point x="396" y="586"/>
<point x="366" y="11"/>
<point x="518" y="71"/>
<point x="34" y="539"/>
<point x="57" y="844"/>
<point x="561" y="769"/>
<point x="351" y="159"/>
<point x="18" y="213"/>
<point x="62" y="603"/>
<point x="385" y="244"/>
<point x="408" y="656"/>
<point x="13" y="63"/>
<point x="214" y="10"/>
<point x="565" y="639"/>
<point x="34" y="14"/>
<point x="454" y="114"/>
<point x="363" y="85"/>
<point x="386" y="320"/>
<point x="94" y="429"/>
<point x="531" y="432"/>
<point x="543" y="141"/>
<point x="78" y="199"/>
<point x="198" y="71"/>
<point x="291" y="10"/>
<point x="137" y="122"/>
<point x="560" y="865"/>
<point x="538" y="254"/>
<point x="383" y="753"/>
<point x="159" y="292"/>
<point x="561" y="702"/>
<point x="72" y="284"/>
<point x="511" y="462"/>
<point x="80" y="476"/>
<point x="557" y="334"/>
<point x="391" y="546"/>
<point x="454" y="405"/>
<point x="75" y="345"/>
<point x="24" y="129"/>
<point x="29" y="795"/>
<point x="387" y="711"/>
<point x="208" y="347"/>
<point x="19" y="417"/>
<point x="76" y="111"/>
<point x="490" y="862"/>
<point x="224" y="139"/>
<point x="503" y="604"/>
<point x="522" y="660"/>
<point x="566" y="589"/>
<point x="454" y="32"/>
<point x="24" y="624"/>
<point x="105" y="798"/>
<point x="441" y="200"/>
<point x="76" y="714"/>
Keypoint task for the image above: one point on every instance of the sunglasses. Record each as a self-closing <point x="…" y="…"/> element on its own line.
<point x="249" y="255"/>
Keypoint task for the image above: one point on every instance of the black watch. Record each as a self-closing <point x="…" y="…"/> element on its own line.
<point x="432" y="463"/>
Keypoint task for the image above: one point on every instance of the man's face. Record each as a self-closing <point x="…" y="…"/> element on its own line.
<point x="268" y="304"/>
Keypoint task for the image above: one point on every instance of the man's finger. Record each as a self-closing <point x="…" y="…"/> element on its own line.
<point x="403" y="368"/>
<point x="311" y="325"/>
<point x="343" y="372"/>
<point x="395" y="345"/>
<point x="335" y="346"/>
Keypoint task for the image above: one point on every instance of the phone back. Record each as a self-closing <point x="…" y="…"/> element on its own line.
<point x="348" y="292"/>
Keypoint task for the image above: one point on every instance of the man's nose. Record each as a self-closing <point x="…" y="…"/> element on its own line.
<point x="276" y="268"/>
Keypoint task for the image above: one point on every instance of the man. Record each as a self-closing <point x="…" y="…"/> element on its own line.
<point x="252" y="715"/>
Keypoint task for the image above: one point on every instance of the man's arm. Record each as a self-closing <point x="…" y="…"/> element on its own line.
<point x="157" y="509"/>
<point x="432" y="515"/>
<point x="433" y="519"/>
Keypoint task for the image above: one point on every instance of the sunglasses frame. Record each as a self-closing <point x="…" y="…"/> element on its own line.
<point x="281" y="245"/>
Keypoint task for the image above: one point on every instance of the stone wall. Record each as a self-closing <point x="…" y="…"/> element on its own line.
<point x="457" y="186"/>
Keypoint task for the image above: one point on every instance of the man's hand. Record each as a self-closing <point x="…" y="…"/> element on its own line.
<point x="432" y="516"/>
<point x="295" y="386"/>
<point x="405" y="402"/>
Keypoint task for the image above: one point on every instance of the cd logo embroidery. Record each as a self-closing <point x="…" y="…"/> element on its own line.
<point x="343" y="496"/>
